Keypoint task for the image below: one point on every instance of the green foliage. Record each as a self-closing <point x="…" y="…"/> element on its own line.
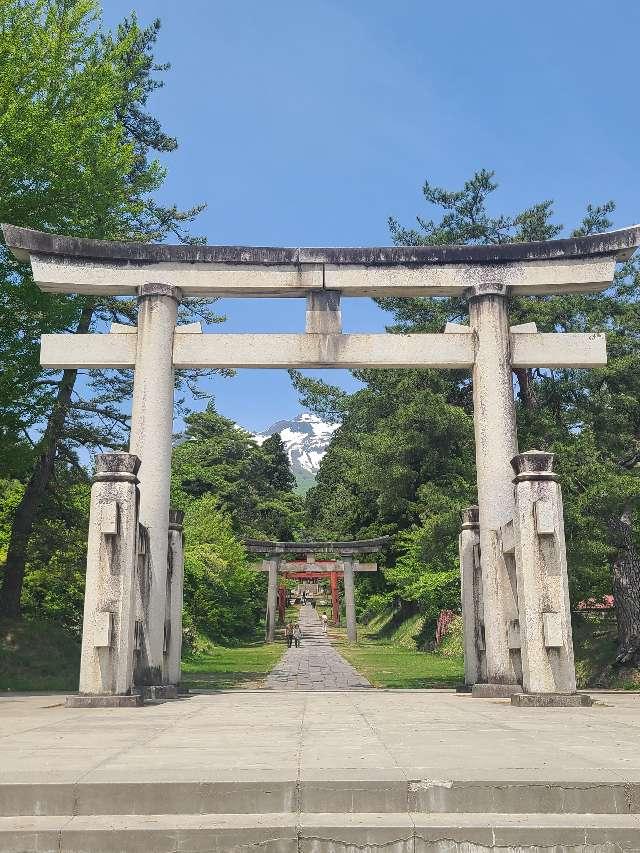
<point x="403" y="459"/>
<point x="78" y="149"/>
<point x="223" y="598"/>
<point x="37" y="655"/>
<point x="56" y="557"/>
<point x="388" y="664"/>
<point x="57" y="554"/>
<point x="252" y="484"/>
<point x="452" y="644"/>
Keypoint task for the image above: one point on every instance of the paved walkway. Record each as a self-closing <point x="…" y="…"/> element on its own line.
<point x="316" y="665"/>
<point x="364" y="734"/>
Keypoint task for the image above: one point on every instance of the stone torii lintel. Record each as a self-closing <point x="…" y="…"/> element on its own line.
<point x="447" y="350"/>
<point x="78" y="265"/>
<point x="347" y="548"/>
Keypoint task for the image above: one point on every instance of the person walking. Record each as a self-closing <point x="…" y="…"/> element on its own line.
<point x="297" y="635"/>
<point x="324" y="623"/>
<point x="288" y="634"/>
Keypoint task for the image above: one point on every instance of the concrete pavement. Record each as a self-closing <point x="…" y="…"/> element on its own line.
<point x="323" y="772"/>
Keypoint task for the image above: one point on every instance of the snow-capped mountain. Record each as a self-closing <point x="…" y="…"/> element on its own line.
<point x="306" y="439"/>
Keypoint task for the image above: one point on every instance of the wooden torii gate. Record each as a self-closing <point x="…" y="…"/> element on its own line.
<point x="346" y="566"/>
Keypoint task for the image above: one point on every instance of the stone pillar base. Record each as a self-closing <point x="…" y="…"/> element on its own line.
<point x="551" y="700"/>
<point x="88" y="700"/>
<point x="158" y="692"/>
<point x="464" y="688"/>
<point x="495" y="691"/>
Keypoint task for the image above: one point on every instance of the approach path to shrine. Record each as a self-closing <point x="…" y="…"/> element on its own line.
<point x="316" y="665"/>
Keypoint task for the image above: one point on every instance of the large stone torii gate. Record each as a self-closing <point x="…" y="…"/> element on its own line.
<point x="517" y="619"/>
<point x="273" y="563"/>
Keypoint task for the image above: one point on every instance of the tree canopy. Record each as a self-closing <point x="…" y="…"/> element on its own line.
<point x="403" y="459"/>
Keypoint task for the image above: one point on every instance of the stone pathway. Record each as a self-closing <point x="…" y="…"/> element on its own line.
<point x="316" y="665"/>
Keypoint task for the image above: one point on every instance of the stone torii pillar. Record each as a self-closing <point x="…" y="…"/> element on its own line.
<point x="496" y="444"/>
<point x="272" y="565"/>
<point x="176" y="589"/>
<point x="471" y="594"/>
<point x="151" y="434"/>
<point x="108" y="630"/>
<point x="349" y="597"/>
<point x="335" y="598"/>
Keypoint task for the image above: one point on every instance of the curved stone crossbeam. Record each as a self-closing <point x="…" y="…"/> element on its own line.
<point x="358" y="546"/>
<point x="78" y="265"/>
<point x="25" y="242"/>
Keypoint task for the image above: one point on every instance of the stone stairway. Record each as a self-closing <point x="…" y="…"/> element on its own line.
<point x="332" y="815"/>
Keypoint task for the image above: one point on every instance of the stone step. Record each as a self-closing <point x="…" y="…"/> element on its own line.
<point x="321" y="833"/>
<point x="291" y="796"/>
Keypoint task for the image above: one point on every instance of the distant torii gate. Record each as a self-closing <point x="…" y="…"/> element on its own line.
<point x="346" y="566"/>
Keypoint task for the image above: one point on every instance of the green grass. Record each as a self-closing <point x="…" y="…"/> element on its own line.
<point x="221" y="668"/>
<point x="389" y="665"/>
<point x="395" y="663"/>
<point x="37" y="655"/>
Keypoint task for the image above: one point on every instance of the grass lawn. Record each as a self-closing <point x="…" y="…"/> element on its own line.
<point x="220" y="667"/>
<point x="37" y="655"/>
<point x="389" y="664"/>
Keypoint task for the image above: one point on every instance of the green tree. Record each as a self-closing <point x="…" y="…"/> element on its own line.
<point x="590" y="419"/>
<point x="278" y="471"/>
<point x="218" y="458"/>
<point x="77" y="145"/>
<point x="223" y="597"/>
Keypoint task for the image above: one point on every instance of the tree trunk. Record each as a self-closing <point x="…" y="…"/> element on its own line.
<point x="626" y="591"/>
<point x="527" y="388"/>
<point x="27" y="510"/>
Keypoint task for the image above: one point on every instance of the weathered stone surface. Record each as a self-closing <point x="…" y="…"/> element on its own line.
<point x="552" y="700"/>
<point x="558" y="350"/>
<point x="327" y="350"/>
<point x="271" y="567"/>
<point x="537" y="462"/>
<point x="115" y="463"/>
<point x="495" y="691"/>
<point x="175" y="558"/>
<point x="151" y="431"/>
<point x="542" y="578"/>
<point x="471" y="594"/>
<point x="77" y="265"/>
<point x="349" y="598"/>
<point x="357" y="546"/>
<point x="80" y="700"/>
<point x="158" y="692"/>
<point x="106" y="666"/>
<point x="496" y="444"/>
<point x="323" y="314"/>
<point x="26" y="241"/>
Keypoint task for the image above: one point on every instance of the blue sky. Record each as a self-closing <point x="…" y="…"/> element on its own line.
<point x="309" y="123"/>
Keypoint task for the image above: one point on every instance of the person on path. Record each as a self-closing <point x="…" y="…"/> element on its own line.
<point x="324" y="623"/>
<point x="288" y="633"/>
<point x="297" y="635"/>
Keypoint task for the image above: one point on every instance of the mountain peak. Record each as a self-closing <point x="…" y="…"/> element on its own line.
<point x="306" y="439"/>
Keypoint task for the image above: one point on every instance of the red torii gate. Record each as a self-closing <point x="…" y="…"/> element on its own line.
<point x="327" y="569"/>
<point x="307" y="570"/>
